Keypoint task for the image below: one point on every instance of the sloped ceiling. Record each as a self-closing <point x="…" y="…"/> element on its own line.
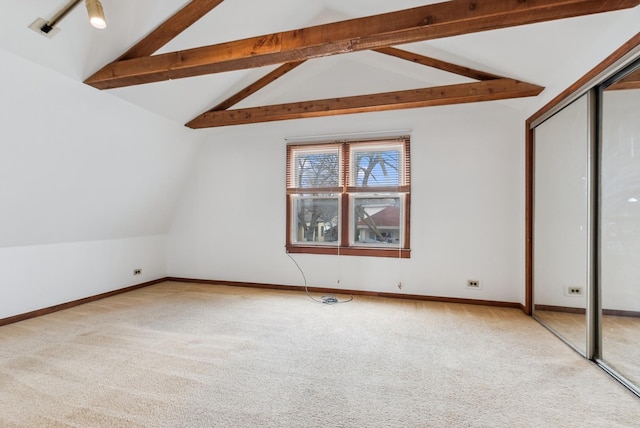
<point x="537" y="53"/>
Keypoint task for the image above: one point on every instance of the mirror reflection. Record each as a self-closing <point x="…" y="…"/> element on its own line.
<point x="560" y="258"/>
<point x="620" y="227"/>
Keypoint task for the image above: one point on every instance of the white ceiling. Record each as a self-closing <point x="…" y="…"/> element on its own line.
<point x="550" y="54"/>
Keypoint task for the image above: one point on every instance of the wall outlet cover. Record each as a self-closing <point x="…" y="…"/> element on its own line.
<point x="473" y="284"/>
<point x="573" y="290"/>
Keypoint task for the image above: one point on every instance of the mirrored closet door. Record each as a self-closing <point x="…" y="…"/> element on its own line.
<point x="586" y="224"/>
<point x="562" y="153"/>
<point x="620" y="224"/>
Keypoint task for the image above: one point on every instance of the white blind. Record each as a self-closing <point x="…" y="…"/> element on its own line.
<point x="314" y="167"/>
<point x="377" y="165"/>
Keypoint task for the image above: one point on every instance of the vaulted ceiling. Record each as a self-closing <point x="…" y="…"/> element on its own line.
<point x="210" y="63"/>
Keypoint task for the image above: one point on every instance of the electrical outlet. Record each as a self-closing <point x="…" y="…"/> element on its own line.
<point x="574" y="291"/>
<point x="473" y="283"/>
<point x="137" y="271"/>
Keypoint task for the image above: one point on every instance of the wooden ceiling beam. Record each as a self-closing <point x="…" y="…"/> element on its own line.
<point x="398" y="53"/>
<point x="170" y="28"/>
<point x="433" y="21"/>
<point x="487" y="90"/>
<point x="256" y="86"/>
<point x="439" y="64"/>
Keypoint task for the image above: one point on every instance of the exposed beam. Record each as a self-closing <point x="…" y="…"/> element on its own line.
<point x="256" y="86"/>
<point x="409" y="56"/>
<point x="411" y="25"/>
<point x="436" y="63"/>
<point x="398" y="53"/>
<point x="631" y="81"/>
<point x="169" y="29"/>
<point x="442" y="95"/>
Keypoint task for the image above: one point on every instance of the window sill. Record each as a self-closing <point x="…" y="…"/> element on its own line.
<point x="350" y="251"/>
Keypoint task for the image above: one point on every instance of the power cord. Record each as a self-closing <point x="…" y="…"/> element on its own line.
<point x="327" y="300"/>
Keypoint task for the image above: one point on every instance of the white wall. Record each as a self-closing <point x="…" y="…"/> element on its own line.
<point x="467" y="207"/>
<point x="39" y="276"/>
<point x="79" y="164"/>
<point x="88" y="187"/>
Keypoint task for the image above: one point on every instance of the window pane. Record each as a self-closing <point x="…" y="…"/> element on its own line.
<point x="377" y="221"/>
<point x="316" y="220"/>
<point x="376" y="166"/>
<point x="317" y="167"/>
<point x="349" y="194"/>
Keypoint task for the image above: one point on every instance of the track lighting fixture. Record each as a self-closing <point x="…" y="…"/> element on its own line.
<point x="49" y="29"/>
<point x="96" y="14"/>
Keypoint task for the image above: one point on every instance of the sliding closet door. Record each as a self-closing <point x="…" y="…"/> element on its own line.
<point x="561" y="222"/>
<point x="620" y="225"/>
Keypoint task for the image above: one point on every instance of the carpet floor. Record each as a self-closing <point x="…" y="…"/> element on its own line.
<point x="189" y="355"/>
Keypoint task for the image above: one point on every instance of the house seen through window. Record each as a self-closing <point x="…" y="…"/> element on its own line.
<point x="349" y="197"/>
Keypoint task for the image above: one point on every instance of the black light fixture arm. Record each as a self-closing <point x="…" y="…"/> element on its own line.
<point x="48" y="26"/>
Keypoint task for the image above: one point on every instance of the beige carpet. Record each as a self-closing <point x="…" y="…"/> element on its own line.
<point x="620" y="341"/>
<point x="184" y="355"/>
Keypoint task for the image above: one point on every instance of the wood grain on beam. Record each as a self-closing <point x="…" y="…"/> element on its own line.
<point x="436" y="63"/>
<point x="631" y="81"/>
<point x="169" y="29"/>
<point x="442" y="95"/>
<point x="256" y="86"/>
<point x="411" y="25"/>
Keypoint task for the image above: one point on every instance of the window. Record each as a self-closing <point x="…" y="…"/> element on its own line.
<point x="349" y="198"/>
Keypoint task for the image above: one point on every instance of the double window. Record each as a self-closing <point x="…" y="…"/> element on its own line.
<point x="349" y="198"/>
